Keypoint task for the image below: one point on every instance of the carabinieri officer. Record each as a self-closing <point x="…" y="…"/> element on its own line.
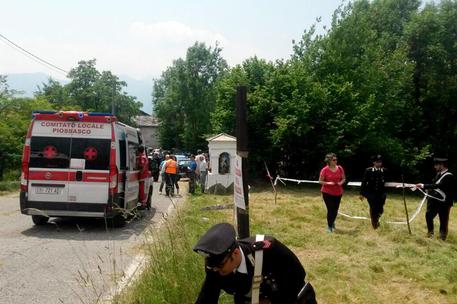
<point x="374" y="190"/>
<point x="440" y="197"/>
<point x="236" y="267"/>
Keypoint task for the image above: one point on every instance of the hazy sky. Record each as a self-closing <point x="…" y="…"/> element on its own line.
<point x="140" y="38"/>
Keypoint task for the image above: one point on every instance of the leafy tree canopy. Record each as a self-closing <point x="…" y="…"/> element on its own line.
<point x="185" y="95"/>
<point x="91" y="90"/>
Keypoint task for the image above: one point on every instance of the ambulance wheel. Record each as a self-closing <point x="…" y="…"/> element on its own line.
<point x="148" y="203"/>
<point x="39" y="220"/>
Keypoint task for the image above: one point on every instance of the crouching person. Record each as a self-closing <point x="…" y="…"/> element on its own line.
<point x="258" y="269"/>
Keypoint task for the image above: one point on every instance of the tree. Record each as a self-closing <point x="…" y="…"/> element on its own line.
<point x="348" y="91"/>
<point x="91" y="90"/>
<point x="184" y="96"/>
<point x="359" y="80"/>
<point x="16" y="116"/>
<point x="256" y="75"/>
<point x="432" y="37"/>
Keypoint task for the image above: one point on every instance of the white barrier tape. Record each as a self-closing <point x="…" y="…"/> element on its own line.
<point x="355" y="184"/>
<point x="388" y="185"/>
<point x="412" y="187"/>
<point x="298" y="181"/>
<point x="418" y="210"/>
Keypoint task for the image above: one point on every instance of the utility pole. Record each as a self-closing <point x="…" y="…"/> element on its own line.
<point x="242" y="214"/>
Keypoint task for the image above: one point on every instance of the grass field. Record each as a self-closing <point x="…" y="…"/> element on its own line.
<point x="356" y="264"/>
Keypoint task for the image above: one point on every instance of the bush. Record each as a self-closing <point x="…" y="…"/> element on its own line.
<point x="9" y="186"/>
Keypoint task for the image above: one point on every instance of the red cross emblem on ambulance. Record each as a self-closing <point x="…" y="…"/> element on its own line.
<point x="90" y="153"/>
<point x="49" y="152"/>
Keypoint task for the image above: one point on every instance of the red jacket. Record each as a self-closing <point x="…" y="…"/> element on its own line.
<point x="143" y="164"/>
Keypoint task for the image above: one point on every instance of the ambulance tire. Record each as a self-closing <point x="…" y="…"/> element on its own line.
<point x="148" y="203"/>
<point x="40" y="220"/>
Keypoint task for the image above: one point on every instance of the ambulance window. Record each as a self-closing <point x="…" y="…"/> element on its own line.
<point x="96" y="152"/>
<point x="122" y="154"/>
<point x="49" y="152"/>
<point x="132" y="155"/>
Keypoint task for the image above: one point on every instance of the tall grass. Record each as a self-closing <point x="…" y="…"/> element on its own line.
<point x="10" y="182"/>
<point x="9" y="186"/>
<point x="356" y="264"/>
<point x="174" y="273"/>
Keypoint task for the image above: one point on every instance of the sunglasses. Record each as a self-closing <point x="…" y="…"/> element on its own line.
<point x="220" y="265"/>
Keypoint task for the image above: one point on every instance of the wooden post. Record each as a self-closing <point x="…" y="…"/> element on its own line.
<point x="404" y="202"/>
<point x="242" y="215"/>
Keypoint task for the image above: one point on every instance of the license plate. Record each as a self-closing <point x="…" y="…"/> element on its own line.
<point x="47" y="190"/>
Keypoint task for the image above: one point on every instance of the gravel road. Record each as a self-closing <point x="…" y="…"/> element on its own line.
<point x="67" y="260"/>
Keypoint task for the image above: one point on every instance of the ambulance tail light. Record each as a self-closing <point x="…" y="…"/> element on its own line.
<point x="113" y="173"/>
<point x="24" y="177"/>
<point x="25" y="161"/>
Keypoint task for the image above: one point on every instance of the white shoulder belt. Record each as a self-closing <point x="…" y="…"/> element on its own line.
<point x="257" y="278"/>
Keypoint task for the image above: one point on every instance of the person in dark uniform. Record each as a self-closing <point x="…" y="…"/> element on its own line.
<point x="154" y="165"/>
<point x="191" y="174"/>
<point x="373" y="189"/>
<point x="231" y="266"/>
<point x="440" y="197"/>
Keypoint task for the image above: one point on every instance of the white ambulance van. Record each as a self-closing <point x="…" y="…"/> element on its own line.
<point x="80" y="164"/>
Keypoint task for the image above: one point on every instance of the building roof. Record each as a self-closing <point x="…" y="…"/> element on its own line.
<point x="221" y="137"/>
<point x="147" y="121"/>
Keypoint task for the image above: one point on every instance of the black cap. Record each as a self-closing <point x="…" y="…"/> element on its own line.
<point x="217" y="243"/>
<point x="440" y="159"/>
<point x="376" y="157"/>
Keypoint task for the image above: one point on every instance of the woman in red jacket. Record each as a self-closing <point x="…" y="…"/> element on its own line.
<point x="332" y="178"/>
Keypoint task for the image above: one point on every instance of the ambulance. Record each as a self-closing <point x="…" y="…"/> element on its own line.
<point x="80" y="164"/>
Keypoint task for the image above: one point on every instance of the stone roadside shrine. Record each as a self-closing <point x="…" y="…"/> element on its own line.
<point x="222" y="153"/>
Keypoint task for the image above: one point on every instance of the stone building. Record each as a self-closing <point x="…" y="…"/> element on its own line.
<point x="149" y="126"/>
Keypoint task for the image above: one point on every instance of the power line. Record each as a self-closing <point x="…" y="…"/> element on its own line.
<point x="32" y="56"/>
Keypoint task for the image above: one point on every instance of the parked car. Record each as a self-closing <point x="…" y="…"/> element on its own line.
<point x="183" y="165"/>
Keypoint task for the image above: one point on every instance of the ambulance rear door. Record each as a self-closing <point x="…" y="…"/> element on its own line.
<point x="48" y="165"/>
<point x="132" y="182"/>
<point x="89" y="163"/>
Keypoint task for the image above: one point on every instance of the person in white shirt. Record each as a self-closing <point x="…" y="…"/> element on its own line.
<point x="203" y="172"/>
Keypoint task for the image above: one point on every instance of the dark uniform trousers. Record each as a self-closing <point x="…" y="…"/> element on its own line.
<point x="191" y="176"/>
<point x="373" y="190"/>
<point x="282" y="277"/>
<point x="440" y="208"/>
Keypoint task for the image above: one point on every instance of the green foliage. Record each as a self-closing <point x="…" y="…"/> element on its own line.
<point x="174" y="273"/>
<point x="9" y="186"/>
<point x="184" y="97"/>
<point x="432" y="37"/>
<point x="16" y="115"/>
<point x="382" y="79"/>
<point x="91" y="90"/>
